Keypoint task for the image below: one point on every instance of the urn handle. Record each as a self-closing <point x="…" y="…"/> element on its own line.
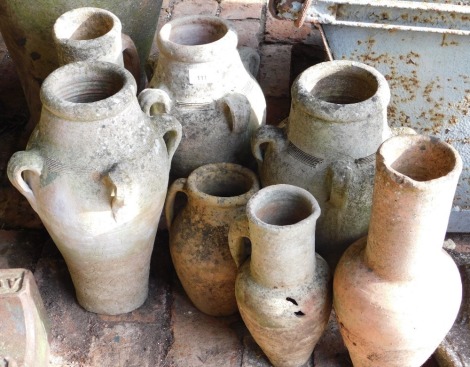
<point x="340" y="177"/>
<point x="20" y="162"/>
<point x="240" y="111"/>
<point x="266" y="134"/>
<point x="177" y="186"/>
<point x="171" y="131"/>
<point x="131" y="60"/>
<point x="154" y="100"/>
<point x="120" y="190"/>
<point x="250" y="59"/>
<point x="238" y="231"/>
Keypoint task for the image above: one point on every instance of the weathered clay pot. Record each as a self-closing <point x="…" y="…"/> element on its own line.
<point x="284" y="290"/>
<point x="28" y="35"/>
<point x="24" y="329"/>
<point x="201" y="80"/>
<point x="337" y="121"/>
<point x="96" y="171"/>
<point x="217" y="194"/>
<point x="396" y="292"/>
<point x="88" y="33"/>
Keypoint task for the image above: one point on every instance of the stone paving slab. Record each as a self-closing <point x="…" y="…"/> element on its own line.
<point x="85" y="339"/>
<point x="201" y="340"/>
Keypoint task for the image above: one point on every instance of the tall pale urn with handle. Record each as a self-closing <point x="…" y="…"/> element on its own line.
<point x="396" y="291"/>
<point x="96" y="171"/>
<point x="283" y="289"/>
<point x="201" y="79"/>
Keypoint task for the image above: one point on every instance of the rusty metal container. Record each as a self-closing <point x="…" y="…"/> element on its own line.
<point x="422" y="48"/>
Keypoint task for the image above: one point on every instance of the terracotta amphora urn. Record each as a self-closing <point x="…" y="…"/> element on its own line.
<point x="200" y="78"/>
<point x="283" y="290"/>
<point x="27" y="31"/>
<point x="24" y="327"/>
<point x="337" y="121"/>
<point x="88" y="33"/>
<point x="217" y="194"/>
<point x="396" y="291"/>
<point x="96" y="171"/>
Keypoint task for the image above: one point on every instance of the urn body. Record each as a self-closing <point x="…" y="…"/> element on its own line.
<point x="96" y="171"/>
<point x="217" y="194"/>
<point x="201" y="79"/>
<point x="338" y="119"/>
<point x="283" y="289"/>
<point x="399" y="278"/>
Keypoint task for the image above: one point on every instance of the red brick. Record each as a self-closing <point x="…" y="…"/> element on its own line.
<point x="277" y="109"/>
<point x="278" y="30"/>
<point x="241" y="9"/>
<point x="274" y="75"/>
<point x="195" y="7"/>
<point x="249" y="32"/>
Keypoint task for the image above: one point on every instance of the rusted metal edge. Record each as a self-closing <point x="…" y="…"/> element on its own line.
<point x="380" y="14"/>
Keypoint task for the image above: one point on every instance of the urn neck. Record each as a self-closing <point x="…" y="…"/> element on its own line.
<point x="212" y="188"/>
<point x="415" y="182"/>
<point x="196" y="39"/>
<point x="90" y="111"/>
<point x="88" y="33"/>
<point x="199" y="61"/>
<point x="88" y="91"/>
<point x="282" y="232"/>
<point x="339" y="110"/>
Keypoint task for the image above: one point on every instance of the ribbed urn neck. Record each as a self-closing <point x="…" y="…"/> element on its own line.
<point x="415" y="182"/>
<point x="88" y="91"/>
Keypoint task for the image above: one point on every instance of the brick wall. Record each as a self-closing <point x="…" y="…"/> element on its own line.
<point x="284" y="49"/>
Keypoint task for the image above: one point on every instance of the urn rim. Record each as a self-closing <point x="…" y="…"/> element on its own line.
<point x="244" y="182"/>
<point x="220" y="39"/>
<point x="408" y="161"/>
<point x="310" y="209"/>
<point x="65" y="94"/>
<point x="353" y="104"/>
<point x="64" y="33"/>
